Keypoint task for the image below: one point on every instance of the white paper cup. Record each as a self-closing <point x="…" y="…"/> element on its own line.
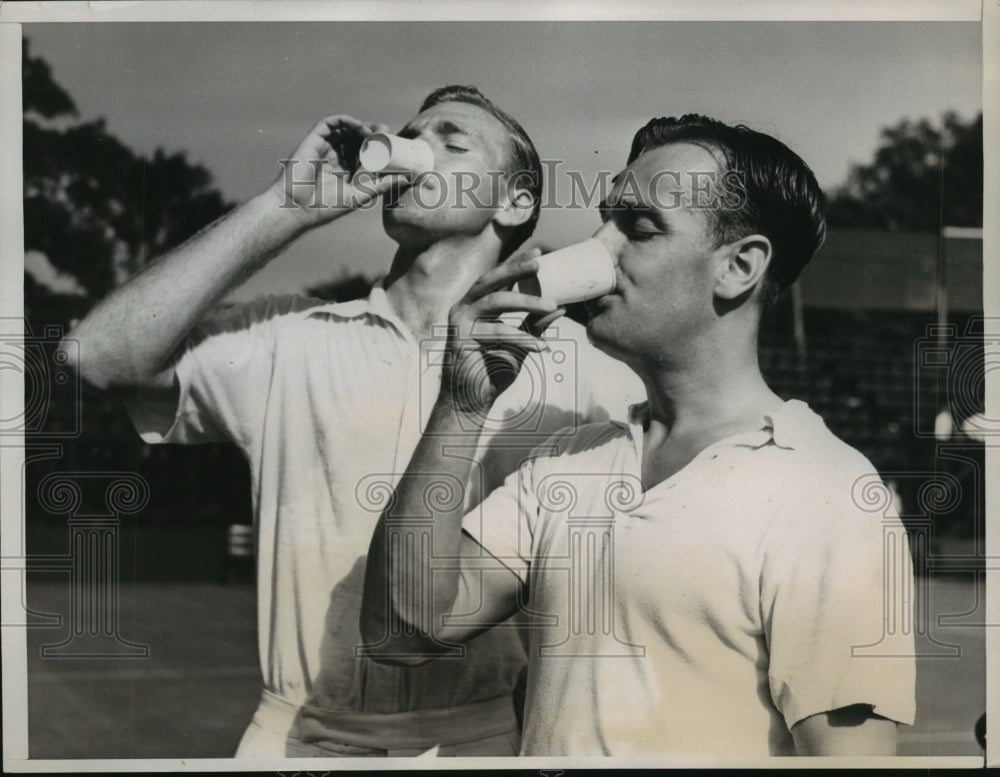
<point x="383" y="153"/>
<point x="573" y="274"/>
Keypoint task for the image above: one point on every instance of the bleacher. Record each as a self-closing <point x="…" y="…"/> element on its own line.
<point x="874" y="378"/>
<point x="195" y="492"/>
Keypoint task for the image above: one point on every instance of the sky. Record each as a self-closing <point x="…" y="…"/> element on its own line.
<point x="239" y="96"/>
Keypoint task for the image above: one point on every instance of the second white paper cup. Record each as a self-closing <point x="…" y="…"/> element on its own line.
<point x="573" y="274"/>
<point x="383" y="153"/>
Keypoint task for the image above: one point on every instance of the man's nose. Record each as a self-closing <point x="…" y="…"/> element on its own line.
<point x="612" y="238"/>
<point x="432" y="140"/>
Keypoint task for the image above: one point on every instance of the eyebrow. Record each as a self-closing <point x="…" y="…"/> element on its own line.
<point x="447" y="127"/>
<point x="632" y="209"/>
<point x="619" y="204"/>
<point x="443" y="127"/>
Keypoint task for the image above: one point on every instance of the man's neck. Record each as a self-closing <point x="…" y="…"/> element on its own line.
<point x="709" y="395"/>
<point x="422" y="286"/>
<point x="699" y="404"/>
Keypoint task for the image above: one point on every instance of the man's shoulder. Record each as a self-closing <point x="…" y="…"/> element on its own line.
<point x="592" y="442"/>
<point x="824" y="477"/>
<point x="285" y="306"/>
<point x="799" y="429"/>
<point x="269" y="308"/>
<point x="258" y="319"/>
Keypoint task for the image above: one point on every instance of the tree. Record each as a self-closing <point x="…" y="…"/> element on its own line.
<point x="97" y="210"/>
<point x="342" y="288"/>
<point x="924" y="176"/>
<point x="94" y="207"/>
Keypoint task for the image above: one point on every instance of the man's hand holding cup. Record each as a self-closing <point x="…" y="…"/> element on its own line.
<point x="485" y="352"/>
<point x="322" y="180"/>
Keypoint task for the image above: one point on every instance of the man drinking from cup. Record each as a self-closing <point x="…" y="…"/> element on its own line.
<point x="702" y="579"/>
<point x="327" y="402"/>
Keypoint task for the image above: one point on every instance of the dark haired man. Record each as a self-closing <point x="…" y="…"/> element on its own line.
<point x="325" y="400"/>
<point x="702" y="579"/>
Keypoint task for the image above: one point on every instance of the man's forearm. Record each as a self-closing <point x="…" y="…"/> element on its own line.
<point x="402" y="586"/>
<point x="128" y="338"/>
<point x="424" y="520"/>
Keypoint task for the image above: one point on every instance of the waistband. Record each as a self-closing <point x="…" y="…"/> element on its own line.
<point x="396" y="730"/>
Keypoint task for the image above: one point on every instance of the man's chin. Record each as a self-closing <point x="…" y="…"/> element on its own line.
<point x="400" y="218"/>
<point x="398" y="197"/>
<point x="605" y="340"/>
<point x="595" y="328"/>
<point x="601" y="327"/>
<point x="391" y="204"/>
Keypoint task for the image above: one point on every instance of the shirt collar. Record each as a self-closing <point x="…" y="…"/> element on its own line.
<point x="793" y="425"/>
<point x="375" y="304"/>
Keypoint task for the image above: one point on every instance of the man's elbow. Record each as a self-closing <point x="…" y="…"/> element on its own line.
<point x="91" y="371"/>
<point x="68" y="354"/>
<point x="98" y="368"/>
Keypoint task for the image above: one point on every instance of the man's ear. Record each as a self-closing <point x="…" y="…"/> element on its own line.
<point x="516" y="209"/>
<point x="743" y="266"/>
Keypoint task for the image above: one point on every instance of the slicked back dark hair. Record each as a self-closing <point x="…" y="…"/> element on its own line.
<point x="523" y="165"/>
<point x="780" y="198"/>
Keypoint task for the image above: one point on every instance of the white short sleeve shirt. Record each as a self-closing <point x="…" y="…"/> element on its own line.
<point x="710" y="614"/>
<point x="327" y="402"/>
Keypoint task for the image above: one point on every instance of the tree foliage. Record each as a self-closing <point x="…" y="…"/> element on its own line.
<point x="924" y="176"/>
<point x="94" y="207"/>
<point x="342" y="288"/>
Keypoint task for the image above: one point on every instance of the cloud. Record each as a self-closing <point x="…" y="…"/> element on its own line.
<point x="41" y="269"/>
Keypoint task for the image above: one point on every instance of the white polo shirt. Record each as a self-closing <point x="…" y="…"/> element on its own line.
<point x="327" y="403"/>
<point x="752" y="589"/>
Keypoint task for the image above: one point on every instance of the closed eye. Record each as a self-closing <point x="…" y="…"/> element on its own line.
<point x="643" y="225"/>
<point x="638" y="225"/>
